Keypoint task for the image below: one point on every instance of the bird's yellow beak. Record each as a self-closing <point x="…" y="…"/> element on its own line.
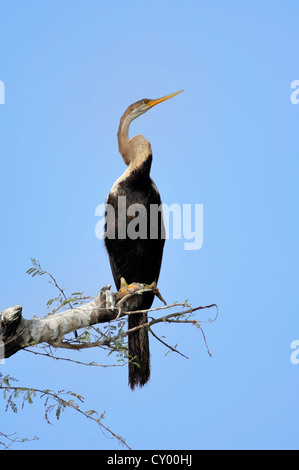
<point x="152" y="103"/>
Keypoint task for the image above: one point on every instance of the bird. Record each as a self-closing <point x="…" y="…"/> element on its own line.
<point x="135" y="257"/>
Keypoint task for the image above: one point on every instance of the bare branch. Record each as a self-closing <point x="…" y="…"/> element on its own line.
<point x="167" y="345"/>
<point x="17" y="333"/>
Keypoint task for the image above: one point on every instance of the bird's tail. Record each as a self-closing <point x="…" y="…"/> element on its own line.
<point x="138" y="343"/>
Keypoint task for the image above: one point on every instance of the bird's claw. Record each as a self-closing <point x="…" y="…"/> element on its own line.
<point x="135" y="288"/>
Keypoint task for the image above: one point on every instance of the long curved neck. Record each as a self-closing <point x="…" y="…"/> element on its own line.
<point x="136" y="151"/>
<point x="123" y="137"/>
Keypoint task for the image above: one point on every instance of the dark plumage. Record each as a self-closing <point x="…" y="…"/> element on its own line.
<point x="136" y="259"/>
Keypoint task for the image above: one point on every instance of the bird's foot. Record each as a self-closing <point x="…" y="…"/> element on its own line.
<point x="136" y="288"/>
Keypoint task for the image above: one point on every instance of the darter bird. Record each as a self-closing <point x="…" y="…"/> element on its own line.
<point x="137" y="259"/>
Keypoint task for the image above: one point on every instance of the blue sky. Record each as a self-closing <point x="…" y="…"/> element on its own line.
<point x="229" y="142"/>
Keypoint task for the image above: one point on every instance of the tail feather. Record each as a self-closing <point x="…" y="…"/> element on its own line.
<point x="138" y="344"/>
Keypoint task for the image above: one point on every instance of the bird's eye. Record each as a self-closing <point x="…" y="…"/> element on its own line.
<point x="145" y="101"/>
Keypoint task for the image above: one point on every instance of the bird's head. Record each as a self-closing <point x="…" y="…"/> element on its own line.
<point x="138" y="146"/>
<point x="142" y="106"/>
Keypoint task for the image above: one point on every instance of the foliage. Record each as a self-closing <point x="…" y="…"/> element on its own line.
<point x="111" y="338"/>
<point x="54" y="403"/>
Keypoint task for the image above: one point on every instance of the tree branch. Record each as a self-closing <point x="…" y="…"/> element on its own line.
<point x="17" y="333"/>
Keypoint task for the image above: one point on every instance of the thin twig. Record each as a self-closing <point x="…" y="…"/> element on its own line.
<point x="65" y="403"/>
<point x="93" y="364"/>
<point x="167" y="345"/>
